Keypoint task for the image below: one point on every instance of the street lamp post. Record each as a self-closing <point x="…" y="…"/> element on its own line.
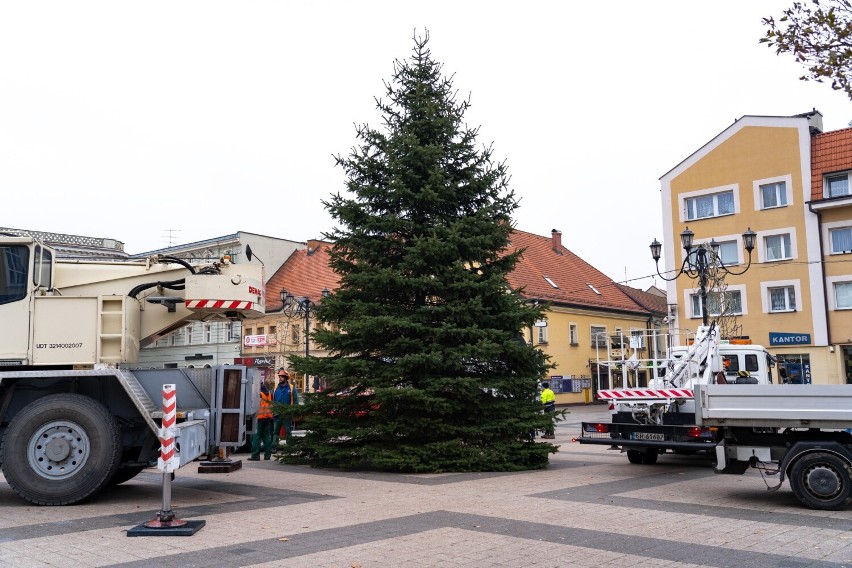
<point x="701" y="261"/>
<point x="301" y="307"/>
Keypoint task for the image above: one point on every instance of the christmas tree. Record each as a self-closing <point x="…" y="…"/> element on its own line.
<point x="428" y="371"/>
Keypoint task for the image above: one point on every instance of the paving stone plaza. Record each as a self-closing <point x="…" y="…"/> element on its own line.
<point x="590" y="507"/>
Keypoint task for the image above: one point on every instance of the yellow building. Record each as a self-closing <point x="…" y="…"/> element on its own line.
<point x="285" y="330"/>
<point x="758" y="174"/>
<point x="588" y="316"/>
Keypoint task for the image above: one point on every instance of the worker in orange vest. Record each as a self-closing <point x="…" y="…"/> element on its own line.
<point x="263" y="433"/>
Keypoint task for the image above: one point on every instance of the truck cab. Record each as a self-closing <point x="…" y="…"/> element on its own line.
<point x="753" y="359"/>
<point x="26" y="269"/>
<point x="75" y="416"/>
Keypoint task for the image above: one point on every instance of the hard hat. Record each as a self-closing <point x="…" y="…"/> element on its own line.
<point x="282" y="374"/>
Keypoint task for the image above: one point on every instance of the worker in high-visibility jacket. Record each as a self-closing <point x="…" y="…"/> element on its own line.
<point x="262" y="438"/>
<point x="548" y="399"/>
<point x="287" y="394"/>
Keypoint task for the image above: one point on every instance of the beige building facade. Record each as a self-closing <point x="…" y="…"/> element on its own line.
<point x="757" y="174"/>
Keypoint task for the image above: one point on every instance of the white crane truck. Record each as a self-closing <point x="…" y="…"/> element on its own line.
<point x="793" y="431"/>
<point x="650" y="421"/>
<point x="75" y="416"/>
<point x="798" y="432"/>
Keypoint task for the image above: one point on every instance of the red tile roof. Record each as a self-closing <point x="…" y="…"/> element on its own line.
<point x="648" y="300"/>
<point x="830" y="152"/>
<point x="569" y="272"/>
<point x="305" y="273"/>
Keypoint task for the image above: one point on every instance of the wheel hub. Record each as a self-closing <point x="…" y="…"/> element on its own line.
<point x="58" y="449"/>
<point x="823" y="481"/>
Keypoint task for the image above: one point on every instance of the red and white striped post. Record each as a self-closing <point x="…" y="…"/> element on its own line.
<point x="168" y="461"/>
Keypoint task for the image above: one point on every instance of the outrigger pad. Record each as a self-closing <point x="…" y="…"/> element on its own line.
<point x="219" y="466"/>
<point x="187" y="529"/>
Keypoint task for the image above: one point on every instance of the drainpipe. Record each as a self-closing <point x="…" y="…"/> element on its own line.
<point x="822" y="271"/>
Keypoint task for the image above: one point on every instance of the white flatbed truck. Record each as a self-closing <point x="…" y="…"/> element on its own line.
<point x="794" y="431"/>
<point x="798" y="432"/>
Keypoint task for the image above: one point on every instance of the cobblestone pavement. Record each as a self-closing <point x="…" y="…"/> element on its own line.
<point x="589" y="508"/>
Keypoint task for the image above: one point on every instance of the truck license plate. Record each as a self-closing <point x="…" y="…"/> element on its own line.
<point x="647" y="436"/>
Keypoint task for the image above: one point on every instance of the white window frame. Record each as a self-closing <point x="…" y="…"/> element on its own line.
<point x="795" y="284"/>
<point x="825" y="187"/>
<point x="542" y="334"/>
<point x="787" y="180"/>
<point x="637" y="337"/>
<point x="573" y="334"/>
<point x="207" y="331"/>
<point x="832" y="282"/>
<point x="602" y="338"/>
<point x="761" y="243"/>
<point x="689" y="292"/>
<point x="724" y="239"/>
<point x="683" y="198"/>
<point x="831" y="241"/>
<point x="827" y="229"/>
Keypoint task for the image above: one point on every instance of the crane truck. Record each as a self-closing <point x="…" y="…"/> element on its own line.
<point x="797" y="432"/>
<point x="793" y="431"/>
<point x="651" y="420"/>
<point x="75" y="415"/>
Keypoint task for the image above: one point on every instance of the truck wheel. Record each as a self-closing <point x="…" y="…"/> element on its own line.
<point x="126" y="474"/>
<point x="821" y="480"/>
<point x="60" y="449"/>
<point x="648" y="457"/>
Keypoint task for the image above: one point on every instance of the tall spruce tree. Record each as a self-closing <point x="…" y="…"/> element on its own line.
<point x="427" y="369"/>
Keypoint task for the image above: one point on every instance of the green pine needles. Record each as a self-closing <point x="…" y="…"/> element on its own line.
<point x="427" y="369"/>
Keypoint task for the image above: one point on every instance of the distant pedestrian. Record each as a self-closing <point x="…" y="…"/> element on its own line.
<point x="285" y="393"/>
<point x="262" y="438"/>
<point x="548" y="399"/>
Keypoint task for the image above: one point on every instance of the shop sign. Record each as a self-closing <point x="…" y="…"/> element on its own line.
<point x="254" y="361"/>
<point x="778" y="339"/>
<point x="254" y="340"/>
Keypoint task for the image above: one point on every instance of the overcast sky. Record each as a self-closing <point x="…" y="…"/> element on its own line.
<point x="145" y="121"/>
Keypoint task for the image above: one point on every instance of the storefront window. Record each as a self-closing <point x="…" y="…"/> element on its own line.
<point x="795" y="369"/>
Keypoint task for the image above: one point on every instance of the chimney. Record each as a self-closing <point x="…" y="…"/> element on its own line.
<point x="814" y="120"/>
<point x="556" y="237"/>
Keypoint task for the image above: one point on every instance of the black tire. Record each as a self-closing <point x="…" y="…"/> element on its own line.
<point x="650" y="457"/>
<point x="635" y="456"/>
<point x="80" y="456"/>
<point x="126" y="474"/>
<point x="821" y="480"/>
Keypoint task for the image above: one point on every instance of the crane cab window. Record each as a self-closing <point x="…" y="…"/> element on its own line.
<point x="731" y="363"/>
<point x="43" y="264"/>
<point x="14" y="263"/>
<point x="751" y="363"/>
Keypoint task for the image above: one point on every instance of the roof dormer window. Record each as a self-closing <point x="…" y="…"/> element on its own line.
<point x="551" y="282"/>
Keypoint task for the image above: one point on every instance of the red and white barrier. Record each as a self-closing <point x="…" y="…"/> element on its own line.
<point x="640" y="394"/>
<point x="168" y="460"/>
<point x="220" y="304"/>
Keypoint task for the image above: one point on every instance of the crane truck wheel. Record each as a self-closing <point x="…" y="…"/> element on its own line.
<point x="60" y="449"/>
<point x="648" y="457"/>
<point x="821" y="480"/>
<point x="126" y="474"/>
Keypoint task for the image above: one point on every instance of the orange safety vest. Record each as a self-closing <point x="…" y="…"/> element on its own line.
<point x="265" y="411"/>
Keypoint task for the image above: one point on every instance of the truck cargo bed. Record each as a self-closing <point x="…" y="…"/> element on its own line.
<point x="775" y="406"/>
